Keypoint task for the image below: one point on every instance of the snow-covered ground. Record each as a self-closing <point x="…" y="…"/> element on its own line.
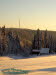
<point x="38" y="65"/>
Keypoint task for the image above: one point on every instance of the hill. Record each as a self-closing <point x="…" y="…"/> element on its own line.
<point x="27" y="34"/>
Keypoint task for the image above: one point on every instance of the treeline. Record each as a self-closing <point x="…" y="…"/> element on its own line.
<point x="22" y="41"/>
<point x="10" y="43"/>
<point x="43" y="40"/>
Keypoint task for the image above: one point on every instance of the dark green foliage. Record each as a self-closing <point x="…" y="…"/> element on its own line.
<point x="33" y="43"/>
<point x="36" y="41"/>
<point x="46" y="39"/>
<point x="22" y="40"/>
<point x="15" y="71"/>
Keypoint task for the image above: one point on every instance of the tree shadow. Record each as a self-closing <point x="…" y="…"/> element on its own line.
<point x="31" y="56"/>
<point x="18" y="71"/>
<point x="21" y="57"/>
<point x="48" y="69"/>
<point x="14" y="71"/>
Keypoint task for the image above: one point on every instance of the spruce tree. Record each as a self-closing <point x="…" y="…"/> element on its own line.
<point x="38" y="39"/>
<point x="45" y="39"/>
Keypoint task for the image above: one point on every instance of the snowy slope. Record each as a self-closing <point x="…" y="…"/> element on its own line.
<point x="41" y="65"/>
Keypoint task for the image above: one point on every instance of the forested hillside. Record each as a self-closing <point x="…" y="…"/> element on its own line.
<point x="28" y="35"/>
<point x="20" y="41"/>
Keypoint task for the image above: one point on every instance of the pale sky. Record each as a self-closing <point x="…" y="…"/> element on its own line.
<point x="33" y="14"/>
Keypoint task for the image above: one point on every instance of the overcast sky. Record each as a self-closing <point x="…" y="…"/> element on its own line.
<point x="33" y="14"/>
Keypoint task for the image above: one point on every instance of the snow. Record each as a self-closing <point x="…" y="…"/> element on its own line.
<point x="38" y="65"/>
<point x="44" y="50"/>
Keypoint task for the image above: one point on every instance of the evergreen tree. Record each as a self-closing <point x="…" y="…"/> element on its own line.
<point x="38" y="39"/>
<point x="51" y="43"/>
<point x="3" y="41"/>
<point x="45" y="39"/>
<point x="42" y="39"/>
<point x="33" y="43"/>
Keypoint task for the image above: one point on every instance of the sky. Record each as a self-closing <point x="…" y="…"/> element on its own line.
<point x="33" y="14"/>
